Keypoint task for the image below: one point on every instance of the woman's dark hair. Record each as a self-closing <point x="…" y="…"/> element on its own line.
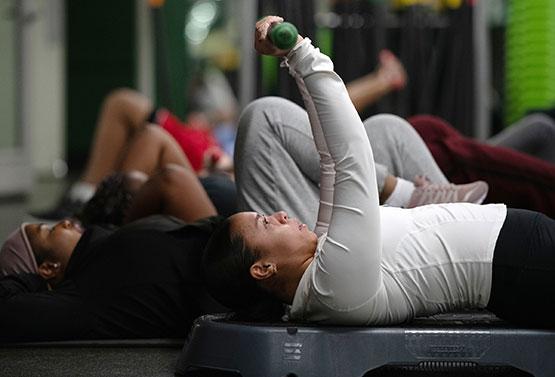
<point x="110" y="202"/>
<point x="226" y="265"/>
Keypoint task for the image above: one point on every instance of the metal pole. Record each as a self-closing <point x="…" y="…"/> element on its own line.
<point x="247" y="71"/>
<point x="482" y="71"/>
<point x="145" y="50"/>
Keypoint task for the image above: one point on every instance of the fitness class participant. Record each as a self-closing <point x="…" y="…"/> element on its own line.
<point x="365" y="264"/>
<point x="142" y="280"/>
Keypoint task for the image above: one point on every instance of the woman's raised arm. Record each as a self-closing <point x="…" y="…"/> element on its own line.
<point x="346" y="269"/>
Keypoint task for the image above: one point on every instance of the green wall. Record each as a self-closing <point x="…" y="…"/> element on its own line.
<point x="101" y="48"/>
<point x="173" y="63"/>
<point x="100" y="57"/>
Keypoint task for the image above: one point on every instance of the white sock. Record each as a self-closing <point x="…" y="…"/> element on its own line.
<point x="401" y="193"/>
<point x="81" y="191"/>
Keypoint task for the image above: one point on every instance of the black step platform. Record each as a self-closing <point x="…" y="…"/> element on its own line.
<point x="460" y="344"/>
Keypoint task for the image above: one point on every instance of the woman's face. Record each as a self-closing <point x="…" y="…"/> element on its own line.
<point x="275" y="235"/>
<point x="56" y="242"/>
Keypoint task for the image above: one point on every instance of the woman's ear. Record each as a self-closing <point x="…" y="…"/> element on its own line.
<point x="261" y="271"/>
<point x="49" y="270"/>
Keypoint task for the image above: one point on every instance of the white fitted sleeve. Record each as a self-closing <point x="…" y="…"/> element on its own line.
<point x="345" y="273"/>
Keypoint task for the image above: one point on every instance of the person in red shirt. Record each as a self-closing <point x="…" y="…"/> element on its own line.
<point x="131" y="134"/>
<point x="195" y="139"/>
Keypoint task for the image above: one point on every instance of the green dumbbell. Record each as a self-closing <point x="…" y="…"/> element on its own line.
<point x="283" y="35"/>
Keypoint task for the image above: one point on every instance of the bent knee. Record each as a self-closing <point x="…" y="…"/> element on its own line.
<point x="387" y="124"/>
<point x="255" y="113"/>
<point x="383" y="120"/>
<point x="154" y="134"/>
<point x="262" y="103"/>
<point x="542" y="122"/>
<point x="127" y="100"/>
<point x="120" y="95"/>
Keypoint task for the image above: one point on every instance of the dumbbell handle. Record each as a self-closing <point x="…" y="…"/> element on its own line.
<point x="283" y="35"/>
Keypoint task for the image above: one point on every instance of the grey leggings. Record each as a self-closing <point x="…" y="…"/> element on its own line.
<point x="277" y="166"/>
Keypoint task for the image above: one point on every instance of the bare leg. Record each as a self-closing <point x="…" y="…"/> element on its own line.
<point x="174" y="191"/>
<point x="174" y="188"/>
<point x="123" y="142"/>
<point x="388" y="187"/>
<point x="151" y="149"/>
<point x="390" y="75"/>
<point x="123" y="112"/>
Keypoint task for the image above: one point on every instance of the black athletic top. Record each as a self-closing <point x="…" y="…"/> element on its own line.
<point x="140" y="281"/>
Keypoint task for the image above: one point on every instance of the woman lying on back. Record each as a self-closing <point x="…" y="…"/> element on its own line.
<point x="365" y="264"/>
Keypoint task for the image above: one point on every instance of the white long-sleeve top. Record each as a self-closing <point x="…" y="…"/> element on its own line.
<point x="380" y="265"/>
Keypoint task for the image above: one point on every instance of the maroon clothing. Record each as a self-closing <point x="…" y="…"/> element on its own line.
<point x="514" y="178"/>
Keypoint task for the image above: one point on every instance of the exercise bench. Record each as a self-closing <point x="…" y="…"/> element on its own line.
<point x="459" y="344"/>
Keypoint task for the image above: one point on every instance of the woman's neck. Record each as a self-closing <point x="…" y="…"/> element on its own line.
<point x="286" y="283"/>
